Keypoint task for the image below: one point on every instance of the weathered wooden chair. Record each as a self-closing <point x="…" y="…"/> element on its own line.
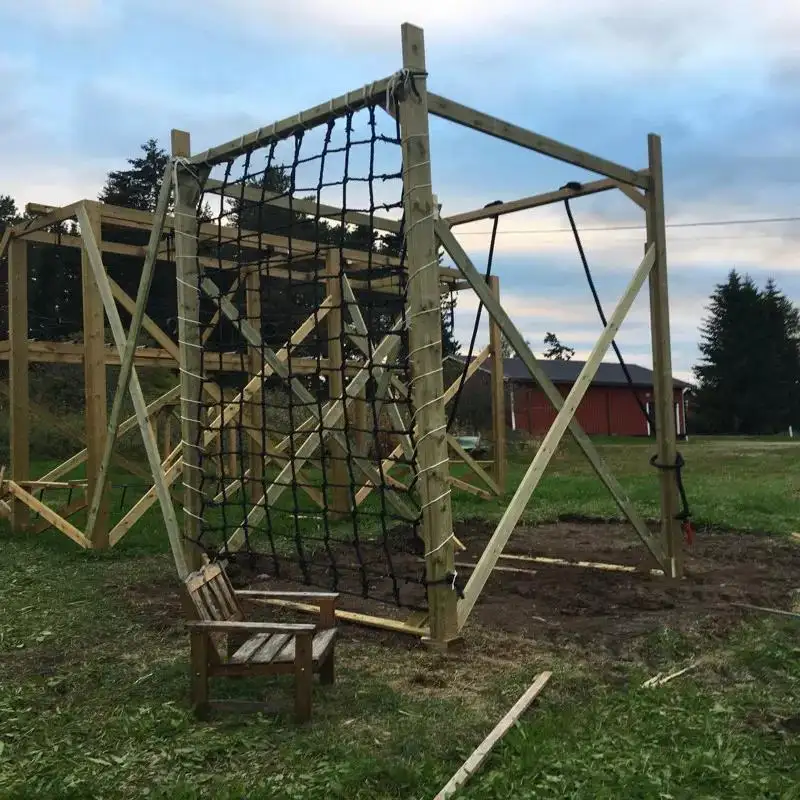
<point x="254" y="648"/>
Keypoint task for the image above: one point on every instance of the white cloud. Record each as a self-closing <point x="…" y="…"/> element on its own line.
<point x="64" y="15"/>
<point x="623" y="33"/>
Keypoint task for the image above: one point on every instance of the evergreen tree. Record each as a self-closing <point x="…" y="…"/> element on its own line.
<point x="137" y="187"/>
<point x="750" y="367"/>
<point x="556" y="350"/>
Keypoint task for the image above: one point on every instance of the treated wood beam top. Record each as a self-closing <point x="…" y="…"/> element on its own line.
<point x="352" y="101"/>
<point x="477" y="120"/>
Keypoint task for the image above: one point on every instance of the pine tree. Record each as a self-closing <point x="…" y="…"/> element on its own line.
<point x="137" y="187"/>
<point x="556" y="350"/>
<point x="750" y="366"/>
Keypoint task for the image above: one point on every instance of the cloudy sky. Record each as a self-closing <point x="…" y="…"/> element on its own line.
<point x="84" y="82"/>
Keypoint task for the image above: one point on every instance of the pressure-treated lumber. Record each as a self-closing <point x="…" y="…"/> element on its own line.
<point x="187" y="196"/>
<point x="550" y="443"/>
<point x="517" y="341"/>
<point x="139" y="404"/>
<point x="498" y="394"/>
<point x="18" y="372"/>
<point x="127" y="355"/>
<point x="480" y="754"/>
<point x="424" y="337"/>
<point x="94" y="376"/>
<point x="262" y="137"/>
<point x="533" y="201"/>
<point x="469" y="117"/>
<point x="662" y="362"/>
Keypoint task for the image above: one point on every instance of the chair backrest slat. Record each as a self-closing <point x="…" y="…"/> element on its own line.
<point x="212" y="594"/>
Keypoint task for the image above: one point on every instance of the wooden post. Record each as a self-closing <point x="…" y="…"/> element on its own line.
<point x="187" y="196"/>
<point x="339" y="474"/>
<point x="255" y="460"/>
<point x="424" y="334"/>
<point x="498" y="393"/>
<point x="98" y="495"/>
<point x="94" y="376"/>
<point x="18" y="373"/>
<point x="166" y="446"/>
<point x="662" y="362"/>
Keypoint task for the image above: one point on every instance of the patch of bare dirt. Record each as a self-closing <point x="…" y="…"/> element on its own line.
<point x="596" y="613"/>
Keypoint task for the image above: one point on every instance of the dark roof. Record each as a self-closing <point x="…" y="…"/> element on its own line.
<point x="610" y="373"/>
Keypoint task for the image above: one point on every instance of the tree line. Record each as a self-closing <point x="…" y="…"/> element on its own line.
<point x="747" y="377"/>
<point x="55" y="311"/>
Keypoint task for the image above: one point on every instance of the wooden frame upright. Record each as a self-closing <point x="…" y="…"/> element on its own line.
<point x="425" y="230"/>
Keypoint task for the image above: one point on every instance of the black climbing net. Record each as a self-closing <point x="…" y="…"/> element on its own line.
<point x="307" y="443"/>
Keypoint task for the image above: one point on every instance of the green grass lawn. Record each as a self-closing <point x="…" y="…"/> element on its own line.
<point x="93" y="670"/>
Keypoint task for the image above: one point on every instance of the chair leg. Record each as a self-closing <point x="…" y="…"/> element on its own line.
<point x="199" y="680"/>
<point x="303" y="676"/>
<point x="326" y="671"/>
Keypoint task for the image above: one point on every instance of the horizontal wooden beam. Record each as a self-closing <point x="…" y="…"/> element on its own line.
<point x="53" y="217"/>
<point x="352" y="101"/>
<point x="477" y="120"/>
<point x="301" y="205"/>
<point x="72" y="353"/>
<point x="534" y="201"/>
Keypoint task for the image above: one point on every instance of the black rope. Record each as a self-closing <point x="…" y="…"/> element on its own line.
<point x="473" y="337"/>
<point x="368" y="552"/>
<point x="587" y="271"/>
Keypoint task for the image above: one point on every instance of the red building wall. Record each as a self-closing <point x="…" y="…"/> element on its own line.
<point x="604" y="410"/>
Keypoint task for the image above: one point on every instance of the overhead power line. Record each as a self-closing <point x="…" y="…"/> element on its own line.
<point x="603" y="228"/>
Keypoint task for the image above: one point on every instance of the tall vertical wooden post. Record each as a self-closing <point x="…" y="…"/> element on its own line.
<point x="662" y="361"/>
<point x="187" y="197"/>
<point x="425" y="347"/>
<point x="94" y="379"/>
<point x="340" y="473"/>
<point x="255" y="417"/>
<point x="498" y="393"/>
<point x="18" y="372"/>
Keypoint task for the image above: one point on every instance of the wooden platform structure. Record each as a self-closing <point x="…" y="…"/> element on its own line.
<point x="405" y="94"/>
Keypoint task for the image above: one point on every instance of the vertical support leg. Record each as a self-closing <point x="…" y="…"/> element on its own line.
<point x="662" y="362"/>
<point x="498" y="393"/>
<point x="339" y="474"/>
<point x="187" y="196"/>
<point x="94" y="374"/>
<point x="255" y="418"/>
<point x="18" y="373"/>
<point x="424" y="311"/>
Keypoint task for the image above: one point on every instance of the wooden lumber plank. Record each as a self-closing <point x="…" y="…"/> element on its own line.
<point x="67" y="528"/>
<point x="517" y="341"/>
<point x="21" y="229"/>
<point x="298" y="204"/>
<point x="139" y="404"/>
<point x="18" y="373"/>
<point x="550" y="443"/>
<point x="94" y="375"/>
<point x="340" y="495"/>
<point x="369" y="620"/>
<point x="425" y="346"/>
<point x="533" y="201"/>
<point x="477" y="120"/>
<point x="663" y="391"/>
<point x="481" y="753"/>
<point x="264" y="136"/>
<point x="188" y="182"/>
<point x="473" y="465"/>
<point x="79" y="458"/>
<point x="498" y="394"/>
<point x="127" y="368"/>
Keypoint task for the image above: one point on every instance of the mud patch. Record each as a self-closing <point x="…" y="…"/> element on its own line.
<point x="603" y="613"/>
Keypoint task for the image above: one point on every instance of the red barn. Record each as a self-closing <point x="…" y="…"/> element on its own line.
<point x="609" y="407"/>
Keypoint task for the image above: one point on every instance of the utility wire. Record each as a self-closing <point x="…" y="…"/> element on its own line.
<point x="695" y="224"/>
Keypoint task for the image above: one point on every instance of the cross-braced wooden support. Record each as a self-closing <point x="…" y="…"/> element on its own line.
<point x="357" y="359"/>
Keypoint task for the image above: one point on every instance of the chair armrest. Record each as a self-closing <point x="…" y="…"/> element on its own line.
<point x="233" y="626"/>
